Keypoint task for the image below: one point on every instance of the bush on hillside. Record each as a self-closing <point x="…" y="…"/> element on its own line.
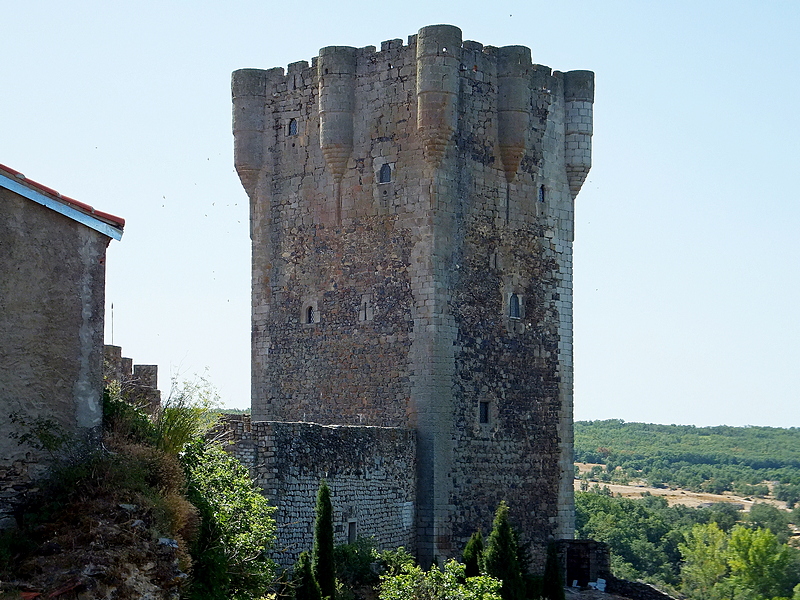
<point x="236" y="529"/>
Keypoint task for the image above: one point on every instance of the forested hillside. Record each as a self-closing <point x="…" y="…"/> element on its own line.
<point x="709" y="553"/>
<point x="752" y="461"/>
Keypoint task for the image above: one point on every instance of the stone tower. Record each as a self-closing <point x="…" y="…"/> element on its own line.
<point x="412" y="226"/>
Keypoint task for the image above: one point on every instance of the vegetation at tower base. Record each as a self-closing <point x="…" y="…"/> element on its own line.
<point x="473" y="555"/>
<point x="304" y="584"/>
<point x="322" y="556"/>
<point x="236" y="526"/>
<point x="706" y="553"/>
<point x="412" y="583"/>
<point x="501" y="559"/>
<point x="361" y="570"/>
<point x="355" y="564"/>
<point x="553" y="579"/>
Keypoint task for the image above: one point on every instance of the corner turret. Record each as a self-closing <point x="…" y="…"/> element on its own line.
<point x="513" y="105"/>
<point x="249" y="90"/>
<point x="578" y="99"/>
<point x="438" y="53"/>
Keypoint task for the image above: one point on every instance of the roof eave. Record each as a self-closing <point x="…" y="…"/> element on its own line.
<point x="65" y="206"/>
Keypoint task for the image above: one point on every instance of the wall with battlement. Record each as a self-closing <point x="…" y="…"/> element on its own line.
<point x="138" y="383"/>
<point x="402" y="202"/>
<point x="369" y="471"/>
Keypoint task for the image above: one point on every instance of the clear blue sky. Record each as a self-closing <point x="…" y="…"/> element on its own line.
<point x="686" y="252"/>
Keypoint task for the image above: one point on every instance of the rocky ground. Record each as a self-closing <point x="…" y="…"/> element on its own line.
<point x="97" y="548"/>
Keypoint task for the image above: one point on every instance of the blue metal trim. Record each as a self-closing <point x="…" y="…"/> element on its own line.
<point x="61" y="208"/>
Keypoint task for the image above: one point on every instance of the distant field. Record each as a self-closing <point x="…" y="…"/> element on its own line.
<point x="678" y="496"/>
<point x="729" y="464"/>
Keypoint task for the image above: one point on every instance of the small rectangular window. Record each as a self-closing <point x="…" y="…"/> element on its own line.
<point x="483" y="412"/>
<point x="351" y="532"/>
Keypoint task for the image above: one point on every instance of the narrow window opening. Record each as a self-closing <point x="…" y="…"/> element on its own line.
<point x="351" y="532"/>
<point x="385" y="174"/>
<point x="310" y="314"/>
<point x="493" y="260"/>
<point x="365" y="310"/>
<point x="513" y="307"/>
<point x="293" y="127"/>
<point x="541" y="193"/>
<point x="483" y="412"/>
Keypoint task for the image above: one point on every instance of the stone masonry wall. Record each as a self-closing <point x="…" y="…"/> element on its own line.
<point x="52" y="291"/>
<point x="402" y="202"/>
<point x="369" y="470"/>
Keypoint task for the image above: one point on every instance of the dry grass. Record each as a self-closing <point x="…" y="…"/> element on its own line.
<point x="675" y="496"/>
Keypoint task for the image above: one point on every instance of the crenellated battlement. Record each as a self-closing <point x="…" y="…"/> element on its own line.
<point x="412" y="216"/>
<point x="433" y="73"/>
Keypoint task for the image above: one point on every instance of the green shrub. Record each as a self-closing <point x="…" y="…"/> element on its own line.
<point x="304" y="584"/>
<point x="502" y="556"/>
<point x="354" y="563"/>
<point x="412" y="583"/>
<point x="766" y="516"/>
<point x="392" y="562"/>
<point x="187" y="414"/>
<point x="473" y="555"/>
<point x="322" y="558"/>
<point x="124" y="420"/>
<point x="553" y="579"/>
<point x="40" y="434"/>
<point x="236" y="527"/>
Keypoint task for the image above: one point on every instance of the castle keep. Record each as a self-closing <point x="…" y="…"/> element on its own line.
<point x="412" y="226"/>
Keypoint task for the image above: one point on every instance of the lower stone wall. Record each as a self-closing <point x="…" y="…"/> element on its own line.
<point x="17" y="479"/>
<point x="369" y="470"/>
<point x="584" y="561"/>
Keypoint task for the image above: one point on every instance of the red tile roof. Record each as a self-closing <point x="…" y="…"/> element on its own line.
<point x="118" y="222"/>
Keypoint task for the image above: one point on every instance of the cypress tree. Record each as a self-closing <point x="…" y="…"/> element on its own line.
<point x="322" y="556"/>
<point x="303" y="580"/>
<point x="473" y="555"/>
<point x="553" y="580"/>
<point x="501" y="560"/>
